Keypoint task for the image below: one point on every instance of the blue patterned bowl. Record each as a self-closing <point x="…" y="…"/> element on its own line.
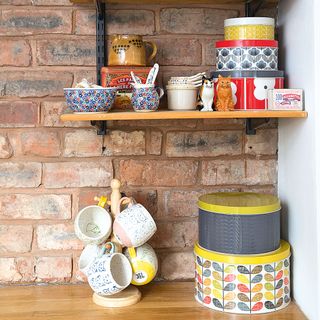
<point x="90" y="100"/>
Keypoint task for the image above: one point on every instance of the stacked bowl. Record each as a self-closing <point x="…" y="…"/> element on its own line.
<point x="242" y="266"/>
<point x="183" y="91"/>
<point x="249" y="55"/>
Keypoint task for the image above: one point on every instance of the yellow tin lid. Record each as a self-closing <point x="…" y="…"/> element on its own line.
<point x="282" y="253"/>
<point x="239" y="203"/>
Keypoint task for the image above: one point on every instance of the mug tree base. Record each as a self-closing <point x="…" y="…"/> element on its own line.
<point x="125" y="298"/>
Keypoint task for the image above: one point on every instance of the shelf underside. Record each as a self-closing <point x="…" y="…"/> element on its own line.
<point x="176" y="2"/>
<point x="166" y="115"/>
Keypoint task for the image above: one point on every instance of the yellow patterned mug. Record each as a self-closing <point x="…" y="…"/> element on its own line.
<point x="144" y="264"/>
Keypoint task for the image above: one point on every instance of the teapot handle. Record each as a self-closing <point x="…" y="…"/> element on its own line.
<point x="154" y="50"/>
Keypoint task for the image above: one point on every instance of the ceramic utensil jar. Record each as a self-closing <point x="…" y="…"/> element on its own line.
<point x="130" y="50"/>
<point x="146" y="98"/>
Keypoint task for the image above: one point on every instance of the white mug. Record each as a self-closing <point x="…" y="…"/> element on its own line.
<point x="88" y="255"/>
<point x="93" y="225"/>
<point x="109" y="274"/>
<point x="134" y="226"/>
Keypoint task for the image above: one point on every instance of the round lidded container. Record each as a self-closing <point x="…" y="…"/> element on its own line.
<point x="249" y="284"/>
<point x="249" y="28"/>
<point x="239" y="222"/>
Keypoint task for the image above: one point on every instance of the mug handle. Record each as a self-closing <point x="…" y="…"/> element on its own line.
<point x="132" y="252"/>
<point x="124" y="200"/>
<point x="154" y="50"/>
<point x="160" y="92"/>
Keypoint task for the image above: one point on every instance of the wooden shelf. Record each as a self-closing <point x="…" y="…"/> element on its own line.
<point x="160" y="301"/>
<point x="176" y="2"/>
<point x="166" y="115"/>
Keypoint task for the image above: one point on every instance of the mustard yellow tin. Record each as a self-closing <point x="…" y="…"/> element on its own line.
<point x="249" y="28"/>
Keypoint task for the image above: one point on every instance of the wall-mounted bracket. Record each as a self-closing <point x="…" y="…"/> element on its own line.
<point x="100" y="37"/>
<point x="101" y="127"/>
<point x="252" y="7"/>
<point x="253" y="124"/>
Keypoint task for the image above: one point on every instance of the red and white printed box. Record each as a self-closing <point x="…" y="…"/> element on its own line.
<point x="285" y="99"/>
<point x="250" y="88"/>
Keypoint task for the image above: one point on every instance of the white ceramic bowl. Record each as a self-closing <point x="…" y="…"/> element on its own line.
<point x="182" y="97"/>
<point x="93" y="224"/>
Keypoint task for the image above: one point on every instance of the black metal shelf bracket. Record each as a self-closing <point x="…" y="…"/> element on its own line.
<point x="252" y="7"/>
<point x="101" y="127"/>
<point x="253" y="124"/>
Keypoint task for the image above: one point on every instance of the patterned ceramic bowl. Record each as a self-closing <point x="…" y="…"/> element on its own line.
<point x="90" y="99"/>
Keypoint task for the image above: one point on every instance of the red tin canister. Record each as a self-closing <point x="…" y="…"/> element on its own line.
<point x="250" y="88"/>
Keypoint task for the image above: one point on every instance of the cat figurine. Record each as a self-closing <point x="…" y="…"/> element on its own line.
<point x="206" y="94"/>
<point x="224" y="94"/>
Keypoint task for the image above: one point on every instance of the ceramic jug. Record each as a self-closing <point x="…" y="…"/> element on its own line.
<point x="130" y="50"/>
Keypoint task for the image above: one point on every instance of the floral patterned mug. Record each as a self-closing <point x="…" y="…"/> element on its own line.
<point x="146" y="98"/>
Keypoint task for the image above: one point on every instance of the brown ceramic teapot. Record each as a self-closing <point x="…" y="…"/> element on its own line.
<point x="130" y="50"/>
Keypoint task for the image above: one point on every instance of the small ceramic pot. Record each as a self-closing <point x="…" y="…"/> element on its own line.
<point x="146" y="98"/>
<point x="93" y="225"/>
<point x="182" y="97"/>
<point x="87" y="257"/>
<point x="109" y="274"/>
<point x="144" y="264"/>
<point x="134" y="226"/>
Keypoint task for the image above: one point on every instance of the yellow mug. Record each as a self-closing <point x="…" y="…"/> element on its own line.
<point x="144" y="264"/>
<point x="130" y="50"/>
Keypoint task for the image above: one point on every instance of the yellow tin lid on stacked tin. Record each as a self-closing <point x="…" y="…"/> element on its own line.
<point x="249" y="28"/>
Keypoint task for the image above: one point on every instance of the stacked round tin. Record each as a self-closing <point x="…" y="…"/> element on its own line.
<point x="242" y="266"/>
<point x="249" y="55"/>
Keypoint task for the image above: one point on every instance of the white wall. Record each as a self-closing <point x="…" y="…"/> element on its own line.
<point x="299" y="150"/>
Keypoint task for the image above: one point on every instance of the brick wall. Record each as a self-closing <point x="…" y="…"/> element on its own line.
<point x="49" y="169"/>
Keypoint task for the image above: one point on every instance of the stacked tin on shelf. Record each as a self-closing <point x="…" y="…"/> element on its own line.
<point x="249" y="55"/>
<point x="242" y="266"/>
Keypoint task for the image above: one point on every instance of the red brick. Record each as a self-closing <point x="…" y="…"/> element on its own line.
<point x="31" y="21"/>
<point x="19" y="269"/>
<point x="122" y="143"/>
<point x="53" y="269"/>
<point x="17" y="2"/>
<point x="261" y="189"/>
<point x="158" y="172"/>
<point x="39" y="143"/>
<point x="261" y="171"/>
<point x="51" y="112"/>
<point x="181" y="203"/>
<point x="82" y="143"/>
<point x="209" y="51"/>
<point x="51" y="2"/>
<point x="5" y="147"/>
<point x="35" y="206"/>
<point x="77" y="174"/>
<point x="20" y="175"/>
<point x="77" y="274"/>
<point x="223" y="124"/>
<point x="203" y="143"/>
<point x="57" y="237"/>
<point x="179" y="52"/>
<point x="175" y="234"/>
<point x="80" y="52"/>
<point x="178" y="266"/>
<point x="155" y="143"/>
<point x="15" y="53"/>
<point x="34" y="83"/>
<point x="264" y="142"/>
<point x="222" y="172"/>
<point x="15" y="238"/>
<point x="201" y="20"/>
<point x="119" y="22"/>
<point x="18" y="114"/>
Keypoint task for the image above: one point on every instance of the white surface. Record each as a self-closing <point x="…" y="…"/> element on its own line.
<point x="248" y="21"/>
<point x="299" y="151"/>
<point x="182" y="99"/>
